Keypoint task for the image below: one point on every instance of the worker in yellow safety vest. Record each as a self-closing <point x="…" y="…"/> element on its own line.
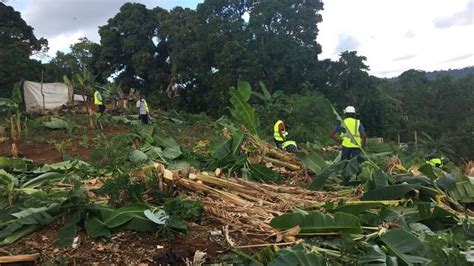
<point x="143" y="110"/>
<point x="435" y="160"/>
<point x="279" y="132"/>
<point x="351" y="145"/>
<point x="99" y="102"/>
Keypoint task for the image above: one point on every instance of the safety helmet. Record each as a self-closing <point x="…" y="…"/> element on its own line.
<point x="349" y="110"/>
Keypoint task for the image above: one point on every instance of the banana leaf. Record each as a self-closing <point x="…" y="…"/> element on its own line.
<point x="7" y="180"/>
<point x="222" y="149"/>
<point x="297" y="255"/>
<point x="68" y="232"/>
<point x="144" y="225"/>
<point x="7" y="106"/>
<point x="242" y="110"/>
<point x="389" y="192"/>
<point x="172" y="153"/>
<point x="373" y="256"/>
<point x="152" y="152"/>
<point x="56" y="123"/>
<point x="15" y="164"/>
<point x="124" y="214"/>
<point x="14" y="236"/>
<point x="408" y="248"/>
<point x="65" y="166"/>
<point x="261" y="173"/>
<point x="359" y="208"/>
<point x="138" y="156"/>
<point x="164" y="141"/>
<point x="318" y="222"/>
<point x="427" y="170"/>
<point x="43" y="179"/>
<point x="378" y="179"/>
<point x="262" y="257"/>
<point x="95" y="227"/>
<point x="238" y="138"/>
<point x="313" y="161"/>
<point x="27" y="221"/>
<point x="159" y="216"/>
<point x="320" y="180"/>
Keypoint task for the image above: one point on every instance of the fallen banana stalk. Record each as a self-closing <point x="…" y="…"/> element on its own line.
<point x="241" y="204"/>
<point x="277" y="162"/>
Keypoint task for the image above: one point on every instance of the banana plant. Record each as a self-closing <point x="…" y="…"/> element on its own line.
<point x="83" y="83"/>
<point x="267" y="97"/>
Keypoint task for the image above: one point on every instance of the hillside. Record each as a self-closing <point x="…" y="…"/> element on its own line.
<point x="454" y="73"/>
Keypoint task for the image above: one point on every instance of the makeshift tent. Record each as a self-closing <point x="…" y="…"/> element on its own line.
<point x="47" y="96"/>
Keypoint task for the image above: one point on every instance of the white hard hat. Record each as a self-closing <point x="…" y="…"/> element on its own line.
<point x="349" y="110"/>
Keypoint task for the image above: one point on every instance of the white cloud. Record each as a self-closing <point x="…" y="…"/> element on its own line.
<point x="394" y="35"/>
<point x="397" y="35"/>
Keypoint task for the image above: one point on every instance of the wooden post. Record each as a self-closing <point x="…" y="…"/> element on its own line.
<point x="416" y="139"/>
<point x="42" y="93"/>
<point x="398" y="139"/>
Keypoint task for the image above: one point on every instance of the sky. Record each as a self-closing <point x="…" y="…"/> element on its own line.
<point x="394" y="35"/>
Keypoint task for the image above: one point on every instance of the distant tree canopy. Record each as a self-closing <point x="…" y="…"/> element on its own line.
<point x="187" y="59"/>
<point x="17" y="44"/>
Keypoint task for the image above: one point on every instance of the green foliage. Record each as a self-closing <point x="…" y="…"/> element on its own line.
<point x="242" y="110"/>
<point x="318" y="222"/>
<point x="454" y="255"/>
<point x="260" y="173"/>
<point x="297" y="255"/>
<point x="16" y="94"/>
<point x="408" y="249"/>
<point x="17" y="44"/>
<point x="188" y="210"/>
<point x="308" y="117"/>
<point x="58" y="123"/>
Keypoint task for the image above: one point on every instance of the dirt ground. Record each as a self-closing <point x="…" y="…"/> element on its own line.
<point x="46" y="152"/>
<point x="124" y="247"/>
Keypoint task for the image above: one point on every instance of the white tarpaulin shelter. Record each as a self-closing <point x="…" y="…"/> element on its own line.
<point x="52" y="95"/>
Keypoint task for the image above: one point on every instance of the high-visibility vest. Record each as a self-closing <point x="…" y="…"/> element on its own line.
<point x="435" y="162"/>
<point x="97" y="98"/>
<point x="276" y="131"/>
<point x="145" y="105"/>
<point x="352" y="125"/>
<point x="288" y="143"/>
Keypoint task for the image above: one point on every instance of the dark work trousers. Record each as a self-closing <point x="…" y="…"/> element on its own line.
<point x="144" y="119"/>
<point x="278" y="143"/>
<point x="349" y="153"/>
<point x="101" y="109"/>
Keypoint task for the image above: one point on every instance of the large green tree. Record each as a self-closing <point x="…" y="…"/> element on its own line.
<point x="128" y="46"/>
<point x="17" y="45"/>
<point x="84" y="55"/>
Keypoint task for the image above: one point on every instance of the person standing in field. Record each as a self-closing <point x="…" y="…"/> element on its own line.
<point x="99" y="102"/>
<point x="143" y="110"/>
<point x="351" y="145"/>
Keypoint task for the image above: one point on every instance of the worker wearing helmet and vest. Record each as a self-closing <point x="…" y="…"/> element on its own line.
<point x="99" y="102"/>
<point x="351" y="146"/>
<point x="279" y="133"/>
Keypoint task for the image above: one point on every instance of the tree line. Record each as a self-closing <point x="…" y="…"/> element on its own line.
<point x="186" y="59"/>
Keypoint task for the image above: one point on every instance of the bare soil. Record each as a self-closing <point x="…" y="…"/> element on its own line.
<point x="124" y="247"/>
